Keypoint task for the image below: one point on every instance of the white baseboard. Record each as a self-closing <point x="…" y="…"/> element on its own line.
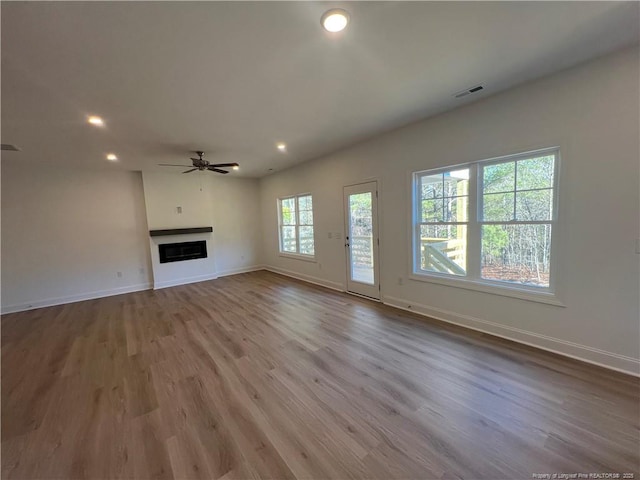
<point x="50" y="302"/>
<point x="236" y="271"/>
<point x="610" y="360"/>
<point x="602" y="358"/>
<point x="306" y="278"/>
<point x="185" y="281"/>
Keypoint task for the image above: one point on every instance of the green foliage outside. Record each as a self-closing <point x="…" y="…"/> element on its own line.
<point x="518" y="191"/>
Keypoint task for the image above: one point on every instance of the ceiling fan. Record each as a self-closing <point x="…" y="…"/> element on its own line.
<point x="201" y="164"/>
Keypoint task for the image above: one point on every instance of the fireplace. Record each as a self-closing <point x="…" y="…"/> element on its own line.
<point x="182" y="255"/>
<point x="178" y="252"/>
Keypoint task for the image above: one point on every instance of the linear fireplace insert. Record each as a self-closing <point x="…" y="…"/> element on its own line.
<point x="178" y="252"/>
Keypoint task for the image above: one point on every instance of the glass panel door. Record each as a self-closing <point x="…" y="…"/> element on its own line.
<point x="361" y="216"/>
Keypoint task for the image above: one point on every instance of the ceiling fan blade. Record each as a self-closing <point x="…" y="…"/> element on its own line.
<point x="172" y="165"/>
<point x="190" y="170"/>
<point x="225" y="165"/>
<point x="213" y="169"/>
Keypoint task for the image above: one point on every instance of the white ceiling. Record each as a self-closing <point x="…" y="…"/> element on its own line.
<point x="234" y="78"/>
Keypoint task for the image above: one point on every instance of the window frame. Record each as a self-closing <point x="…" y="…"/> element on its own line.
<point x="473" y="280"/>
<point x="416" y="207"/>
<point x="297" y="254"/>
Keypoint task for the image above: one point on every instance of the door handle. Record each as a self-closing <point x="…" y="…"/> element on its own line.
<point x="346" y="244"/>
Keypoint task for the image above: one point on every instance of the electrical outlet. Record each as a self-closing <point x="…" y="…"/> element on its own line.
<point x="178" y="210"/>
<point x="400" y="281"/>
<point x="329" y="235"/>
<point x="119" y="274"/>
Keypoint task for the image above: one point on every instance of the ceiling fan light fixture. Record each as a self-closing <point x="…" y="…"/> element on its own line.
<point x="202" y="165"/>
<point x="335" y="20"/>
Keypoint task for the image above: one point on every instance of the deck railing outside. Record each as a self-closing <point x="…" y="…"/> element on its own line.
<point x="443" y="256"/>
<point x="362" y="251"/>
<point x="438" y="255"/>
<point x="306" y="244"/>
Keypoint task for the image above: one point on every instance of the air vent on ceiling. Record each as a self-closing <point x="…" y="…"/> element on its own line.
<point x="468" y="91"/>
<point x="11" y="148"/>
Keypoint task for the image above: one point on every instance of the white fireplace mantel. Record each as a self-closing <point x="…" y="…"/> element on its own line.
<point x="187" y="271"/>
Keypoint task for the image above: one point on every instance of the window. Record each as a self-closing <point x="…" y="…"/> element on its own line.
<point x="443" y="218"/>
<point x="296" y="225"/>
<point x="490" y="222"/>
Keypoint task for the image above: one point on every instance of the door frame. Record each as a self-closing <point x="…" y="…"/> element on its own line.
<point x="376" y="250"/>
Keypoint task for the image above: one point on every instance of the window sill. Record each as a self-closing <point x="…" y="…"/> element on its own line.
<point x="492" y="288"/>
<point x="298" y="256"/>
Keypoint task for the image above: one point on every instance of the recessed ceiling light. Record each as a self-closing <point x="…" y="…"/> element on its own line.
<point x="94" y="120"/>
<point x="112" y="156"/>
<point x="236" y="167"/>
<point x="335" y="20"/>
<point x="281" y="146"/>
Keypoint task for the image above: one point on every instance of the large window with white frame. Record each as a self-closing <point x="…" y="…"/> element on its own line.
<point x="296" y="225"/>
<point x="490" y="222"/>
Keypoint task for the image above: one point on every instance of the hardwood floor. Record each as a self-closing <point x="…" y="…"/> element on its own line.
<point x="261" y="376"/>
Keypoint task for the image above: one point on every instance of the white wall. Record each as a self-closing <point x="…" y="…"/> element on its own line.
<point x="237" y="224"/>
<point x="66" y="233"/>
<point x="591" y="112"/>
<point x="229" y="205"/>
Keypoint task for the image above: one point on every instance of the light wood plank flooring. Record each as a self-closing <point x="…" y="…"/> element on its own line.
<point x="261" y="376"/>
